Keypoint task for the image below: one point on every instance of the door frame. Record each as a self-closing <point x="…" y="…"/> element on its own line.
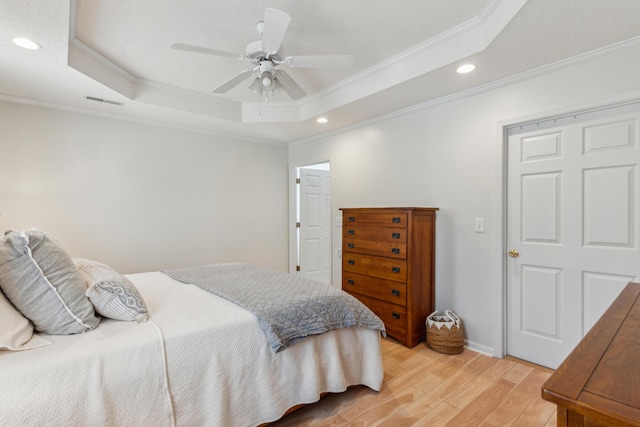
<point x="500" y="188"/>
<point x="293" y="244"/>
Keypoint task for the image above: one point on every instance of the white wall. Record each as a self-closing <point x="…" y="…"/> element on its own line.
<point x="142" y="197"/>
<point x="447" y="156"/>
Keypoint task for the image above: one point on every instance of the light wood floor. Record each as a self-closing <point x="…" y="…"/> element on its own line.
<point x="425" y="388"/>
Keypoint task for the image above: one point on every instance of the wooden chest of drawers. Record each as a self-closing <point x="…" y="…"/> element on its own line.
<point x="388" y="264"/>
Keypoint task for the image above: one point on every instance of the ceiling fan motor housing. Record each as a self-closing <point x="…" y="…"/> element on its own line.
<point x="256" y="53"/>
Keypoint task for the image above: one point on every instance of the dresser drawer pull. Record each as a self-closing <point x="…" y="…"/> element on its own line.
<point x="351" y="245"/>
<point x="351" y="232"/>
<point x="395" y="292"/>
<point x="395" y="251"/>
<point x="395" y="269"/>
<point x="395" y="219"/>
<point x="395" y="235"/>
<point x="351" y="282"/>
<point x="395" y="315"/>
<point x="351" y="262"/>
<point x="351" y="219"/>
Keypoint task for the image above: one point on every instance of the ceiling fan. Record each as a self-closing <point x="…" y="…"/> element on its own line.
<point x="263" y="54"/>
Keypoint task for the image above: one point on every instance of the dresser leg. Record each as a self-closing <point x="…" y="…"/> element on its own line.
<point x="569" y="418"/>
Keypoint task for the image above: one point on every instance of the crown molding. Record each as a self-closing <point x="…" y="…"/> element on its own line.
<point x="629" y="97"/>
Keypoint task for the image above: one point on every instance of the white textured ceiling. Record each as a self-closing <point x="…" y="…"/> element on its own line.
<point x="405" y="53"/>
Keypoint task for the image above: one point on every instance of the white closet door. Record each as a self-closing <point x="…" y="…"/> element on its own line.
<point x="573" y="206"/>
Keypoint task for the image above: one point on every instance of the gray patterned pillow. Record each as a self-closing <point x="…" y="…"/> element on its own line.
<point x="42" y="282"/>
<point x="112" y="294"/>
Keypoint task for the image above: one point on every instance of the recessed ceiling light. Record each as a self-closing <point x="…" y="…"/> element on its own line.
<point x="466" y="68"/>
<point x="26" y="43"/>
<point x="322" y="120"/>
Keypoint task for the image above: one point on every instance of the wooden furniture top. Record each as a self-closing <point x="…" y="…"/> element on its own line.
<point x="413" y="208"/>
<point x="600" y="379"/>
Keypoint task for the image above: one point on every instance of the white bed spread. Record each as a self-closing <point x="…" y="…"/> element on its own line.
<point x="220" y="370"/>
<point x="111" y="376"/>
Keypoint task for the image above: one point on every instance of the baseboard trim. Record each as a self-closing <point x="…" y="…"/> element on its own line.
<point x="479" y="348"/>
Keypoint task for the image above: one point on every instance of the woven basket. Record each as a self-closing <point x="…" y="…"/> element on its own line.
<point x="444" y="332"/>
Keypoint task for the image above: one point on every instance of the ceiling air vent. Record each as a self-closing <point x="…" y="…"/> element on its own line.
<point x="105" y="101"/>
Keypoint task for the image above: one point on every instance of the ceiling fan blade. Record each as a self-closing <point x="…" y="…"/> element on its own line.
<point x="275" y="26"/>
<point x="320" y="61"/>
<point x="290" y="86"/>
<point x="205" y="50"/>
<point x="233" y="82"/>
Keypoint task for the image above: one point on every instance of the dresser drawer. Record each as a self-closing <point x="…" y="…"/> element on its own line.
<point x="386" y="290"/>
<point x="376" y="247"/>
<point x="379" y="219"/>
<point x="396" y="235"/>
<point x="393" y="316"/>
<point x="386" y="268"/>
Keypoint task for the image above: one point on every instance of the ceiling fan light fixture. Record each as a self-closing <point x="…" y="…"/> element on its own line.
<point x="266" y="75"/>
<point x="256" y="87"/>
<point x="259" y="88"/>
<point x="266" y="80"/>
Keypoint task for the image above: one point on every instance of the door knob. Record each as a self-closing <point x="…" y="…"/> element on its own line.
<point x="513" y="253"/>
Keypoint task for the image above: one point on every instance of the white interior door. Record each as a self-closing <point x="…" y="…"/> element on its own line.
<point x="315" y="224"/>
<point x="573" y="193"/>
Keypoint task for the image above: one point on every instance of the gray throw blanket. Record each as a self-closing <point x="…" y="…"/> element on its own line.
<point x="288" y="308"/>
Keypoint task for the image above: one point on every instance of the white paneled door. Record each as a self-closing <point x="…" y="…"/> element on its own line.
<point x="315" y="224"/>
<point x="572" y="239"/>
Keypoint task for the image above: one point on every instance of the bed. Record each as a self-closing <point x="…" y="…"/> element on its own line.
<point x="197" y="359"/>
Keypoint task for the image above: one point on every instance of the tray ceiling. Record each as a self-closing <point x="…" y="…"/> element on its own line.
<point x="405" y="54"/>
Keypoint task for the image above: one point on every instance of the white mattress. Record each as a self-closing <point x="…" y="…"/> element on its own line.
<point x="216" y="368"/>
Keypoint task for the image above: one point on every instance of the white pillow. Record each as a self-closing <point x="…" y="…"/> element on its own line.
<point x="42" y="282"/>
<point x="16" y="332"/>
<point x="113" y="295"/>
